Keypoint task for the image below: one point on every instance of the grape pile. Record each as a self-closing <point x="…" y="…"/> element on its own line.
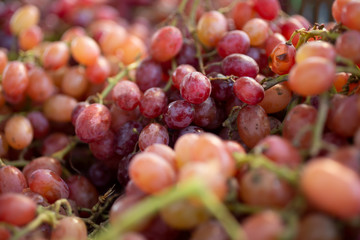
<point x="178" y="120"/>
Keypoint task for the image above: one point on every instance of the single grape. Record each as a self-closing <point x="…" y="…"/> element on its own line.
<point x="85" y="50"/>
<point x="42" y="163"/>
<point x="151" y="134"/>
<point x="267" y="9"/>
<point x="153" y="102"/>
<point x="54" y="143"/>
<point x="258" y="31"/>
<point x="126" y="137"/>
<point x="180" y="72"/>
<point x="69" y="228"/>
<point x="18" y="132"/>
<point x="248" y="90"/>
<point x="163" y="151"/>
<point x="195" y="87"/>
<point x="59" y="108"/>
<point x="24" y="18"/>
<point x="15" y="79"/>
<point x="211" y="27"/>
<point x="55" y="55"/>
<point x="349" y="15"/>
<point x="16" y="209"/>
<point x="272" y="41"/>
<point x="166" y="43"/>
<point x="104" y="148"/>
<point x="348" y="43"/>
<point x="41" y="86"/>
<point x="240" y="65"/>
<point x="282" y="58"/>
<point x="317" y="226"/>
<point x="126" y="95"/>
<point x="11" y="180"/>
<point x="148" y="75"/>
<point x="276" y="98"/>
<point x="30" y="37"/>
<point x="235" y="41"/>
<point x="82" y="191"/>
<point x="99" y="71"/>
<point x="315" y="49"/>
<point x="74" y="83"/>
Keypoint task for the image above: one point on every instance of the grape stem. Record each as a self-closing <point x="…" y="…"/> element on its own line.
<point x="256" y="161"/>
<point x="62" y="153"/>
<point x="16" y="163"/>
<point x="319" y="125"/>
<point x="152" y="204"/>
<point x="271" y="81"/>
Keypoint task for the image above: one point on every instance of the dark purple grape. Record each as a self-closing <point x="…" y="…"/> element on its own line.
<point x="39" y="123"/>
<point x="126" y="138"/>
<point x="240" y="65"/>
<point x="191" y="129"/>
<point x="77" y="110"/>
<point x="148" y="75"/>
<point x="122" y="172"/>
<point x="221" y="89"/>
<point x="99" y="175"/>
<point x="205" y="113"/>
<point x="187" y="55"/>
<point x="179" y="114"/>
<point x="153" y="102"/>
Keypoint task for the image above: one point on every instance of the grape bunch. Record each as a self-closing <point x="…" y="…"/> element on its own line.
<point x="178" y="120"/>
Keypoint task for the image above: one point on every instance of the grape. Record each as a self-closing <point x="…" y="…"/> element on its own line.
<point x="39" y="124"/>
<point x="179" y="114"/>
<point x="126" y="95"/>
<point x="18" y="132"/>
<point x="74" y="83"/>
<point x="4" y="233"/>
<point x="3" y="61"/>
<point x="165" y="43"/>
<point x="24" y="17"/>
<point x="276" y="98"/>
<point x="242" y="13"/>
<point x="297" y="118"/>
<point x="15" y="79"/>
<point x="153" y="102"/>
<point x="179" y="74"/>
<point x="344" y="191"/>
<point x="336" y="11"/>
<point x="69" y="228"/>
<point x="280" y="151"/>
<point x="205" y="113"/>
<point x="211" y="27"/>
<point x="126" y="137"/>
<point x="4" y="146"/>
<point x="341" y="79"/>
<point x="258" y="31"/>
<point x="184" y="147"/>
<point x="209" y="230"/>
<point x="288" y="28"/>
<point x="30" y="37"/>
<point x="42" y="163"/>
<point x="55" y="55"/>
<point x="248" y="90"/>
<point x="317" y="226"/>
<point x="267" y="9"/>
<point x="148" y="75"/>
<point x="59" y="107"/>
<point x="315" y="49"/>
<point x="111" y="38"/>
<point x="240" y="65"/>
<point x="253" y="124"/>
<point x="221" y="90"/>
<point x="16" y="209"/>
<point x="85" y="50"/>
<point x="349" y="15"/>
<point x="40" y="86"/>
<point x="123" y="169"/>
<point x="345" y="118"/>
<point x="282" y="58"/>
<point x="195" y="87"/>
<point x="163" y="151"/>
<point x="54" y="143"/>
<point x="236" y="41"/>
<point x="99" y="71"/>
<point x="82" y="191"/>
<point x="48" y="184"/>
<point x="93" y="123"/>
<point x="183" y="214"/>
<point x="100" y="175"/>
<point x="261" y="187"/>
<point x="187" y="54"/>
<point x="11" y="180"/>
<point x="72" y="32"/>
<point x="132" y="49"/>
<point x="348" y="43"/>
<point x="132" y="236"/>
<point x="268" y="221"/>
<point x="272" y="41"/>
<point x="104" y="148"/>
<point x="313" y="76"/>
<point x="151" y="134"/>
<point x="151" y="173"/>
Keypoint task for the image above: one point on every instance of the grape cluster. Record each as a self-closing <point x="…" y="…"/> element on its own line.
<point x="178" y="120"/>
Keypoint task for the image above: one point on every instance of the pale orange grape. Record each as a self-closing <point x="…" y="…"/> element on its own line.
<point x="55" y="55"/>
<point x="163" y="151"/>
<point x="276" y="98"/>
<point x="59" y="107"/>
<point x="31" y="37"/>
<point x="112" y="39"/>
<point x="85" y="50"/>
<point x="151" y="173"/>
<point x="18" y="132"/>
<point x="40" y="86"/>
<point x="211" y="27"/>
<point x="315" y="49"/>
<point x="74" y="82"/>
<point x="184" y="214"/>
<point x="258" y="31"/>
<point x="342" y="198"/>
<point x="207" y="173"/>
<point x="312" y="76"/>
<point x="184" y="147"/>
<point x="132" y="49"/>
<point x="15" y="79"/>
<point x="24" y="17"/>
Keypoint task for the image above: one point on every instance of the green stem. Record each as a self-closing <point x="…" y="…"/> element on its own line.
<point x="65" y="203"/>
<point x="61" y="154"/>
<point x="352" y="69"/>
<point x="319" y="125"/>
<point x="193" y="12"/>
<point x="16" y="163"/>
<point x="239" y="208"/>
<point x="257" y="161"/>
<point x="270" y="81"/>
